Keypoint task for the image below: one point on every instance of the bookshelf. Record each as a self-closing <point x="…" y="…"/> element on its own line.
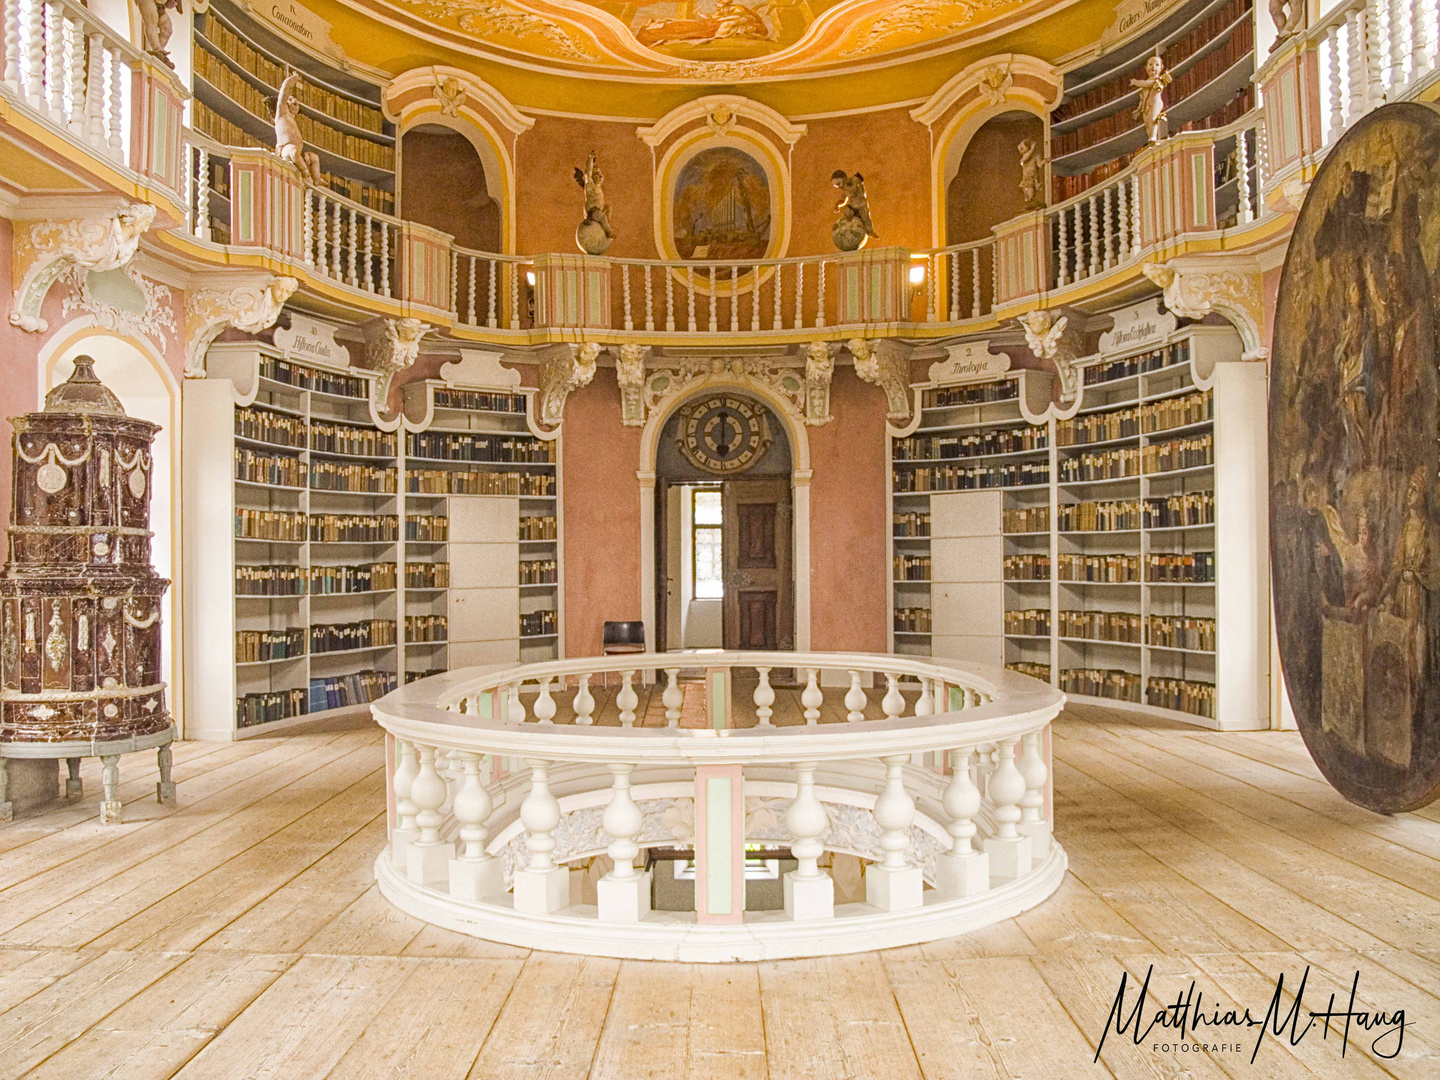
<point x="321" y="572"/>
<point x="1130" y="567"/>
<point x="1210" y="52"/>
<point x="238" y="68"/>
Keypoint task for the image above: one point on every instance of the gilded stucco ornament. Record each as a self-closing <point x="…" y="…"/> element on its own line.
<point x="819" y="368"/>
<point x="151" y="315"/>
<point x="391" y="346"/>
<point x="995" y="84"/>
<point x="46" y="249"/>
<point x="251" y="306"/>
<point x="1193" y="293"/>
<point x="885" y="364"/>
<point x="563" y="370"/>
<point x="630" y="374"/>
<point x="450" y="93"/>
<point x="1054" y="336"/>
<point x="782" y="381"/>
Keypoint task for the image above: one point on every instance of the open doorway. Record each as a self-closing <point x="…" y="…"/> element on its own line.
<point x="724" y="539"/>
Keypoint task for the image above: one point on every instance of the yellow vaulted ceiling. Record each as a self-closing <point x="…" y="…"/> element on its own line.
<point x="607" y="57"/>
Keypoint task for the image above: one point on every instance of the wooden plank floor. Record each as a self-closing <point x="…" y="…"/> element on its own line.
<point x="238" y="935"/>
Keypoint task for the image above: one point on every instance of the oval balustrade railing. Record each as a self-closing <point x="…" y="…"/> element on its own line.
<point x="498" y="777"/>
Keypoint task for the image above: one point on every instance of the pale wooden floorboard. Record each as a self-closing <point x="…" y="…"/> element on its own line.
<point x="240" y="934"/>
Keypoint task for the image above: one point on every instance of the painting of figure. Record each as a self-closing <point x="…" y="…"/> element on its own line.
<point x="721" y="206"/>
<point x="1355" y="462"/>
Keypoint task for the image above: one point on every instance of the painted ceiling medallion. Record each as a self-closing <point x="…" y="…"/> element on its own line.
<point x="706" y="39"/>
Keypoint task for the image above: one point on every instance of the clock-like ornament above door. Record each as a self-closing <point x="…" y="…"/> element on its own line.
<point x="722" y="433"/>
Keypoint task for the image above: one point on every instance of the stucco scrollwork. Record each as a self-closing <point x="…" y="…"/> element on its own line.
<point x="563" y="370"/>
<point x="391" y="346"/>
<point x="1054" y="336"/>
<point x="251" y="306"/>
<point x="885" y="364"/>
<point x="781" y="377"/>
<point x="1193" y="293"/>
<point x="819" y="369"/>
<point x="46" y="249"/>
<point x="630" y="374"/>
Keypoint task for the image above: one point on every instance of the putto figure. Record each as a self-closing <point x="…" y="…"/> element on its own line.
<point x="1032" y="166"/>
<point x="1151" y="110"/>
<point x="1287" y="15"/>
<point x="289" y="143"/>
<point x="852" y="225"/>
<point x="155" y="28"/>
<point x="594" y="234"/>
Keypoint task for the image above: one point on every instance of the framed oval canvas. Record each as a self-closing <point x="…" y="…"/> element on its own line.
<point x="721" y="207"/>
<point x="1354" y="420"/>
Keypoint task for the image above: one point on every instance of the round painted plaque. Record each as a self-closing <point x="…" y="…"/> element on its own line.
<point x="1354" y="498"/>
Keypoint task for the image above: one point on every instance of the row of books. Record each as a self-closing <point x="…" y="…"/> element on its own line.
<point x="911" y="524"/>
<point x="1183" y="695"/>
<point x="466" y="482"/>
<point x="958" y="478"/>
<point x="912" y="567"/>
<point x="354" y="528"/>
<point x="975" y="444"/>
<point x="1112" y="683"/>
<point x="1100" y="465"/>
<point x="344" y="109"/>
<point x="451" y="446"/>
<point x="427" y="528"/>
<point x="427" y="575"/>
<point x="303" y="378"/>
<point x="269" y="524"/>
<point x="359" y="688"/>
<point x="276" y="470"/>
<point x="1180" y="454"/>
<point x="1182" y="632"/>
<point x="257" y="646"/>
<point x="423" y="628"/>
<point x="1026" y="667"/>
<point x="361" y="578"/>
<point x="481" y="401"/>
<point x="356" y="478"/>
<point x="1139" y="364"/>
<point x="1106" y="516"/>
<point x="331" y="438"/>
<point x="269" y="581"/>
<point x="537" y="623"/>
<point x="1027" y="568"/>
<point x="1101" y="626"/>
<point x="912" y="620"/>
<point x="538" y="527"/>
<point x="1110" y="569"/>
<point x="252" y="709"/>
<point x="1098" y="427"/>
<point x="1176" y="568"/>
<point x="263" y="425"/>
<point x="539" y="571"/>
<point x="947" y="397"/>
<point x="340" y="637"/>
<point x="1176" y="412"/>
<point x="1029" y="519"/>
<point x="1176" y="511"/>
<point x="1034" y="622"/>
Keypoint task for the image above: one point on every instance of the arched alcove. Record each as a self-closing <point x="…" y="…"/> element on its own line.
<point x="985" y="188"/>
<point x="443" y="184"/>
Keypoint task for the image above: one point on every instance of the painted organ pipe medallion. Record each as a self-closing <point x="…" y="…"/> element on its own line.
<point x="79" y="600"/>
<point x="1354" y="503"/>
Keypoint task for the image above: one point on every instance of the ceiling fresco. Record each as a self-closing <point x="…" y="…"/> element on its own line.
<point x="708" y="39"/>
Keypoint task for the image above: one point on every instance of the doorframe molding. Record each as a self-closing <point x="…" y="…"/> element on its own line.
<point x="800" y="476"/>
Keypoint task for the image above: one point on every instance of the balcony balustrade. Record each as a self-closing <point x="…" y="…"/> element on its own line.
<point x="502" y="777"/>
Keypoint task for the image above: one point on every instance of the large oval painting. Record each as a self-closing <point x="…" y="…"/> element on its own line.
<point x="1353" y="462"/>
<point x="721" y="206"/>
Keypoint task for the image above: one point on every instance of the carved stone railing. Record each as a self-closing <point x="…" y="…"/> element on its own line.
<point x="943" y="788"/>
<point x="70" y="72"/>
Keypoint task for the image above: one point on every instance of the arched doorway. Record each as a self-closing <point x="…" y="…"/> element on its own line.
<point x="724" y="521"/>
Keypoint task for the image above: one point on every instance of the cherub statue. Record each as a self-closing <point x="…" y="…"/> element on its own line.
<point x="852" y="225"/>
<point x="1151" y="109"/>
<point x="451" y="95"/>
<point x="1032" y="167"/>
<point x="1287" y="22"/>
<point x="289" y="142"/>
<point x="155" y="27"/>
<point x="594" y="234"/>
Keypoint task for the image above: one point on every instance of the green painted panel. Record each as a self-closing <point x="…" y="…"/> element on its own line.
<point x="719" y="871"/>
<point x="718" y="719"/>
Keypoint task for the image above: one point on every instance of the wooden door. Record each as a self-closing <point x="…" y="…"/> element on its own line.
<point x="661" y="641"/>
<point x="759" y="608"/>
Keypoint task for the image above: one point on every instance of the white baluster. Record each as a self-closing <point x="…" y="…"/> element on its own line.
<point x="623" y="895"/>
<point x="35" y="54"/>
<point x="514" y="295"/>
<point x="307" y="227"/>
<point x="584" y="703"/>
<point x="474" y="874"/>
<point x="202" y="196"/>
<point x="385" y="259"/>
<point x="1062" y="250"/>
<point x="1112" y="249"/>
<point x="1397" y="47"/>
<point x="955" y="286"/>
<point x="764" y="699"/>
<point x="669" y="301"/>
<point x="812" y="697"/>
<point x="322" y="245"/>
<point x="1122" y="193"/>
<point x="1134" y="215"/>
<point x="1242" y="181"/>
<point x="714" y="323"/>
<point x="492" y="270"/>
<point x="925" y="704"/>
<point x="1032" y="803"/>
<point x="428" y="859"/>
<point x="95" y="91"/>
<point x="75" y="75"/>
<point x="690" y="300"/>
<point x="541" y="887"/>
<point x="734" y="299"/>
<point x="809" y="891"/>
<point x="755" y="299"/>
<point x="627" y="699"/>
<point x="820" y="294"/>
<point x="367" y="277"/>
<point x="12" y="44"/>
<point x="471" y="265"/>
<point x="1337" y="114"/>
<point x="350" y="275"/>
<point x="1010" y="851"/>
<point x="545" y="704"/>
<point x="337" y="243"/>
<point x="777" y="295"/>
<point x="625" y="294"/>
<point x="961" y="871"/>
<point x="1093" y="205"/>
<point x="54" y="56"/>
<point x="855" y="699"/>
<point x="893" y="883"/>
<point x="1374" y="82"/>
<point x="1419" y="45"/>
<point x="975" y="282"/>
<point x="893" y="703"/>
<point x="672" y="698"/>
<point x="799" y="295"/>
<point x="405" y="830"/>
<point x="649" y="300"/>
<point x="115" y="139"/>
